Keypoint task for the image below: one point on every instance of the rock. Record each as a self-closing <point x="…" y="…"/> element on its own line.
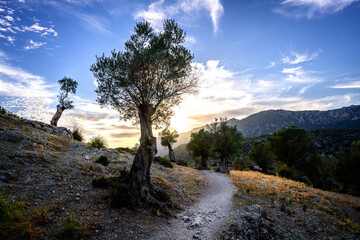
<point x="11" y="136"/>
<point x="250" y="224"/>
<point x="25" y="143"/>
<point x="47" y="129"/>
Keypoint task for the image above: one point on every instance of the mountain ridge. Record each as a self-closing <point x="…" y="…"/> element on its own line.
<point x="269" y="121"/>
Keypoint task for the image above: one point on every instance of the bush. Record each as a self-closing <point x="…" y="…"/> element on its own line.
<point x="163" y="161"/>
<point x="77" y="134"/>
<point x="182" y="162"/>
<point x="97" y="142"/>
<point x="70" y="229"/>
<point x="100" y="182"/>
<point x="103" y="160"/>
<point x="240" y="163"/>
<point x="124" y="195"/>
<point x="286" y="171"/>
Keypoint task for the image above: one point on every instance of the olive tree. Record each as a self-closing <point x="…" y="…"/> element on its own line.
<point x="227" y="142"/>
<point x="168" y="138"/>
<point x="67" y="85"/>
<point x="143" y="82"/>
<point x="200" y="145"/>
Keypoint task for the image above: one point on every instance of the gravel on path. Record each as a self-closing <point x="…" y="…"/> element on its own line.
<point x="205" y="218"/>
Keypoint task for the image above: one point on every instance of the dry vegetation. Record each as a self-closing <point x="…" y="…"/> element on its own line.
<point x="299" y="204"/>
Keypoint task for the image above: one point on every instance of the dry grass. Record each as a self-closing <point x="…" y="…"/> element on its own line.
<point x="255" y="183"/>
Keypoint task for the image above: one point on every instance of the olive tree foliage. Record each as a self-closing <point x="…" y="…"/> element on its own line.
<point x="143" y="82"/>
<point x="200" y="145"/>
<point x="168" y="138"/>
<point x="227" y="142"/>
<point x="67" y="86"/>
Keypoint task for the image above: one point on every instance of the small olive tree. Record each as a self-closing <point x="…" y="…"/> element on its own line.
<point x="227" y="142"/>
<point x="143" y="82"/>
<point x="168" y="138"/>
<point x="200" y="145"/>
<point x="67" y="85"/>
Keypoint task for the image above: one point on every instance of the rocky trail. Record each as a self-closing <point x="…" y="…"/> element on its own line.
<point x="206" y="218"/>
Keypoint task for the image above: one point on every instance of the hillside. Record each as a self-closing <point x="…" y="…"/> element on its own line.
<point x="51" y="174"/>
<point x="267" y="122"/>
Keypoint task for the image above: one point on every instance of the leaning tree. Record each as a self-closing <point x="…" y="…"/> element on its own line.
<point x="67" y="85"/>
<point x="168" y="138"/>
<point x="143" y="82"/>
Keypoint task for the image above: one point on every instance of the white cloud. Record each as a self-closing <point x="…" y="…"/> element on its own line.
<point x="190" y="39"/>
<point x="10" y="39"/>
<point x="309" y="8"/>
<point x="34" y="45"/>
<point x="296" y="58"/>
<point x="158" y="11"/>
<point x="355" y="84"/>
<point x="39" y="29"/>
<point x="9" y="18"/>
<point x="22" y="1"/>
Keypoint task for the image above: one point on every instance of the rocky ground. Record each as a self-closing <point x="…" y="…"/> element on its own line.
<point x="53" y="174"/>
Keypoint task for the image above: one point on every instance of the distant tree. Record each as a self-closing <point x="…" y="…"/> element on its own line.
<point x="168" y="138"/>
<point x="227" y="142"/>
<point x="67" y="85"/>
<point x="143" y="83"/>
<point x="291" y="145"/>
<point x="199" y="146"/>
<point x="348" y="169"/>
<point x="259" y="154"/>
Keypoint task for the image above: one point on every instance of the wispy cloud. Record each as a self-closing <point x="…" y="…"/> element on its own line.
<point x="355" y="84"/>
<point x="299" y="75"/>
<point x="158" y="11"/>
<point x="94" y="22"/>
<point x="296" y="58"/>
<point x="34" y="45"/>
<point x="310" y="8"/>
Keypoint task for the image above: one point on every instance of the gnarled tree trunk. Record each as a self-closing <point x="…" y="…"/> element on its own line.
<point x="56" y="117"/>
<point x="223" y="165"/>
<point x="204" y="160"/>
<point x="171" y="154"/>
<point x="139" y="174"/>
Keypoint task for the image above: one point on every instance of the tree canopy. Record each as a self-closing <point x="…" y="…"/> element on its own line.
<point x="154" y="70"/>
<point x="200" y="145"/>
<point x="67" y="85"/>
<point x="227" y="141"/>
<point x="168" y="138"/>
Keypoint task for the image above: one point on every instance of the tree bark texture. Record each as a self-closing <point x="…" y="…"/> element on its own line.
<point x="139" y="174"/>
<point x="171" y="154"/>
<point x="223" y="165"/>
<point x="56" y="117"/>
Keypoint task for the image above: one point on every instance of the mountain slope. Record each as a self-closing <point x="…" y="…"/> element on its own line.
<point x="267" y="122"/>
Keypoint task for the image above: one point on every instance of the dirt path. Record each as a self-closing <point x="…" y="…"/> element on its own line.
<point x="205" y="218"/>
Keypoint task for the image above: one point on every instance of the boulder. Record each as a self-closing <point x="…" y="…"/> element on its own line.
<point x="11" y="136"/>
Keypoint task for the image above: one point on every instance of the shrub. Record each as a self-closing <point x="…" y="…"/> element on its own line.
<point x="100" y="182"/>
<point x="103" y="160"/>
<point x="182" y="162"/>
<point x="77" y="134"/>
<point x="70" y="229"/>
<point x="240" y="163"/>
<point x="286" y="171"/>
<point x="163" y="161"/>
<point x="124" y="195"/>
<point x="13" y="224"/>
<point x="97" y="142"/>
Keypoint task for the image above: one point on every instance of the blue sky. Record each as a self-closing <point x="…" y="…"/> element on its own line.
<point x="254" y="55"/>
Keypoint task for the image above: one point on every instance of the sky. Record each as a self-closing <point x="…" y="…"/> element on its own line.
<point x="253" y="55"/>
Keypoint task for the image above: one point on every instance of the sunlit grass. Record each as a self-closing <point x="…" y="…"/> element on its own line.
<point x="255" y="183"/>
